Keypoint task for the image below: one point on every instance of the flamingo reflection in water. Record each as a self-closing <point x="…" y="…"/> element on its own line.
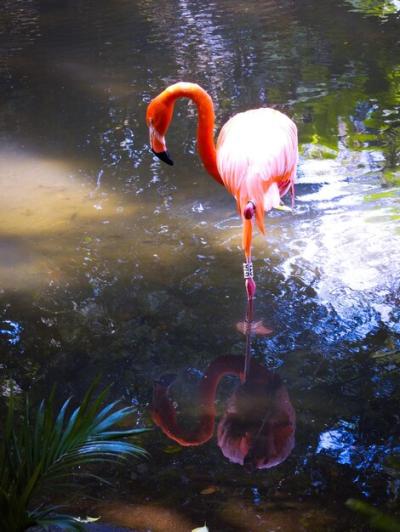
<point x="258" y="426"/>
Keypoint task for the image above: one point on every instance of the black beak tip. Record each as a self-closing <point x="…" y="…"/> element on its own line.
<point x="164" y="156"/>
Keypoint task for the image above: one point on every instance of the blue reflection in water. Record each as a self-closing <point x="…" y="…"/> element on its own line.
<point x="340" y="443"/>
<point x="12" y="331"/>
<point x="256" y="496"/>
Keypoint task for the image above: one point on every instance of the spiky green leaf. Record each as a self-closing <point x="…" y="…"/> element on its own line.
<point x="43" y="449"/>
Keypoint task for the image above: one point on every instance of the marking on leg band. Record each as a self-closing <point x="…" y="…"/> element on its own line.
<point x="248" y="271"/>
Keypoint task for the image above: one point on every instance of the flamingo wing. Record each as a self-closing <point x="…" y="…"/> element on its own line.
<point x="257" y="157"/>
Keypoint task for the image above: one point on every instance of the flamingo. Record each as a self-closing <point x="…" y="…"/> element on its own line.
<point x="255" y="157"/>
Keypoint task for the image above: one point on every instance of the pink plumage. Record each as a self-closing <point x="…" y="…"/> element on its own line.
<point x="255" y="156"/>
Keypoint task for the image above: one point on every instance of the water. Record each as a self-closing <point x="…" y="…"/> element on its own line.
<point x="114" y="264"/>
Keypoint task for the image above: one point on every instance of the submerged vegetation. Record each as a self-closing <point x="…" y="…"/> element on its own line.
<point x="378" y="520"/>
<point x="40" y="451"/>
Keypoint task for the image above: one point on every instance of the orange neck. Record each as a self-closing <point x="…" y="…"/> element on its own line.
<point x="205" y="128"/>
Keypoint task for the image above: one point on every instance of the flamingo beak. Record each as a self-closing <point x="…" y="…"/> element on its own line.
<point x="164" y="156"/>
<point x="158" y="147"/>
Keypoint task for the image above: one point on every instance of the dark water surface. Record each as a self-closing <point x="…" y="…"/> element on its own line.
<point x="114" y="264"/>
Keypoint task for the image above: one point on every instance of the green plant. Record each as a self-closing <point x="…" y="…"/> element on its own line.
<point x="41" y="450"/>
<point x="377" y="519"/>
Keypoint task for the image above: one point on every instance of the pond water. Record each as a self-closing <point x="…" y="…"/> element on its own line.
<point x="115" y="264"/>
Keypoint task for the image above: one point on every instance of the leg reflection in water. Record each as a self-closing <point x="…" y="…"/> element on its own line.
<point x="258" y="425"/>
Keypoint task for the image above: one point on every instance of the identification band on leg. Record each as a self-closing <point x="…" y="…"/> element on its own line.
<point x="248" y="271"/>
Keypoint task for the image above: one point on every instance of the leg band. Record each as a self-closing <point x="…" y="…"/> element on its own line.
<point x="248" y="271"/>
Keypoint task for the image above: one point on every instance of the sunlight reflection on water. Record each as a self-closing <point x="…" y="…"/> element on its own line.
<point x="11" y="331"/>
<point x="352" y="249"/>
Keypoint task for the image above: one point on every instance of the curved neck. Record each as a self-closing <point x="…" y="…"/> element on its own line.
<point x="206" y="121"/>
<point x="164" y="413"/>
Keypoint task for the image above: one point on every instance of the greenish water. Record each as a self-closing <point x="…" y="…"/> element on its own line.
<point x="111" y="263"/>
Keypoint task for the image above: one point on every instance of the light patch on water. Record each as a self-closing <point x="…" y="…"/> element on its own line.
<point x="93" y="79"/>
<point x="385" y="311"/>
<point x="43" y="195"/>
<point x="338" y="441"/>
<point x="380" y="8"/>
<point x="328" y="192"/>
<point x="351" y="258"/>
<point x="318" y="171"/>
<point x="10" y="387"/>
<point x="234" y="222"/>
<point x="44" y="211"/>
<point x="350" y="252"/>
<point x="11" y="330"/>
<point x="57" y="227"/>
<point x="198" y="207"/>
<point x="145" y="516"/>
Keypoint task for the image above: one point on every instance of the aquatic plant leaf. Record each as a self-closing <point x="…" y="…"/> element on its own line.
<point x="41" y="449"/>
<point x="173" y="449"/>
<point x="209" y="491"/>
<point x="378" y="519"/>
<point x="380" y="195"/>
<point x="64" y="522"/>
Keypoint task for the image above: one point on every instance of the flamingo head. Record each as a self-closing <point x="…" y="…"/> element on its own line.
<point x="158" y="117"/>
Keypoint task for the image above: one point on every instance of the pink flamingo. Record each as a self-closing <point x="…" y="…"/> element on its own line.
<point x="255" y="157"/>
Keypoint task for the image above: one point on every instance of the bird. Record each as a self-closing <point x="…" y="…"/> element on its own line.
<point x="255" y="156"/>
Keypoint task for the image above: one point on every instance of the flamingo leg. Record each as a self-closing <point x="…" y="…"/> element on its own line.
<point x="248" y="271"/>
<point x="249" y="280"/>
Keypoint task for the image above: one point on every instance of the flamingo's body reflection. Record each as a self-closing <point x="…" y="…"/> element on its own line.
<point x="258" y="425"/>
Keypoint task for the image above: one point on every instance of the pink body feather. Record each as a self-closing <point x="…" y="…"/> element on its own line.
<point x="257" y="158"/>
